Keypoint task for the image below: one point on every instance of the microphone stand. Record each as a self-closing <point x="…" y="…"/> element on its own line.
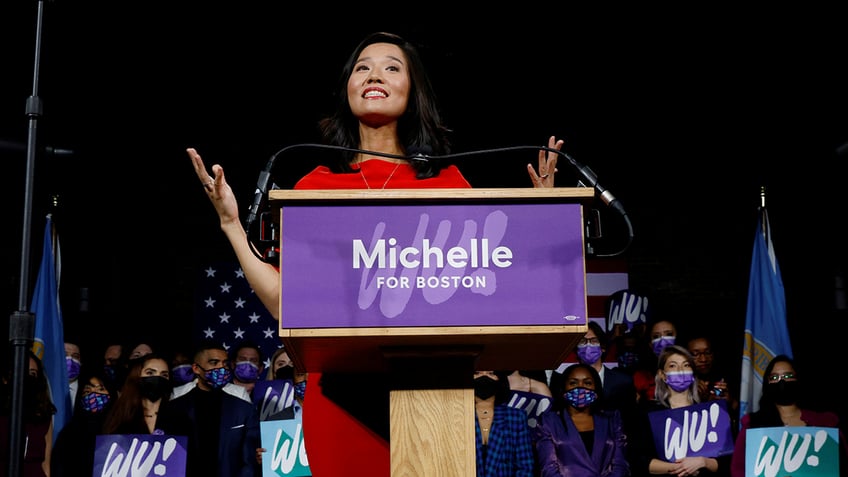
<point x="22" y="321"/>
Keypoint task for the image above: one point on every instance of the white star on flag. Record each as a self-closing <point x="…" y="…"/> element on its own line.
<point x="240" y="317"/>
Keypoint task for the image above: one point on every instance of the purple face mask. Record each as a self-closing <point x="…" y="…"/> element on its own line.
<point x="182" y="374"/>
<point x="679" y="380"/>
<point x="73" y="367"/>
<point x="659" y="344"/>
<point x="247" y="372"/>
<point x="589" y="353"/>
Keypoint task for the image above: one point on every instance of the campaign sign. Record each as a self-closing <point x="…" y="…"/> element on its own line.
<point x="531" y="403"/>
<point x="796" y="451"/>
<point x="274" y="399"/>
<point x="139" y="455"/>
<point x="285" y="454"/>
<point x="434" y="265"/>
<point x="701" y="429"/>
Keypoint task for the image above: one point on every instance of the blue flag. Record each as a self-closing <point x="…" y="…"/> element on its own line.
<point x="766" y="333"/>
<point x="49" y="344"/>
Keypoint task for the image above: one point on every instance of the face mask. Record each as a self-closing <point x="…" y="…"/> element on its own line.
<point x="110" y="372"/>
<point x="73" y="367"/>
<point x="155" y="387"/>
<point x="286" y="372"/>
<point x="628" y="359"/>
<point x="659" y="344"/>
<point x="580" y="398"/>
<point x="247" y="372"/>
<point x="218" y="377"/>
<point x="589" y="353"/>
<point x="783" y="392"/>
<point x="679" y="380"/>
<point x="485" y="387"/>
<point x="182" y="374"/>
<point x="94" y="402"/>
<point x="300" y="389"/>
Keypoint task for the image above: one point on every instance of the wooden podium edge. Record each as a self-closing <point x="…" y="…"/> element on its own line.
<point x="502" y="347"/>
<point x="583" y="194"/>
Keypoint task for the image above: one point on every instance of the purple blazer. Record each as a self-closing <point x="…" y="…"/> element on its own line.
<point x="560" y="450"/>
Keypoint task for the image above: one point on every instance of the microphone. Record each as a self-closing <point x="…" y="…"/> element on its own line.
<point x="258" y="196"/>
<point x="422" y="154"/>
<point x="262" y="182"/>
<point x="592" y="181"/>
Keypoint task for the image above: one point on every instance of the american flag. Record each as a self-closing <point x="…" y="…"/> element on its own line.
<point x="228" y="311"/>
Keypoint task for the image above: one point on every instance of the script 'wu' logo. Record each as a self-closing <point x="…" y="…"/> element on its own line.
<point x="393" y="300"/>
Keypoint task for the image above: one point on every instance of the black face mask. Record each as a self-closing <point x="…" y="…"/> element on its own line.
<point x="155" y="387"/>
<point x="286" y="372"/>
<point x="32" y="386"/>
<point x="485" y="387"/>
<point x="783" y="392"/>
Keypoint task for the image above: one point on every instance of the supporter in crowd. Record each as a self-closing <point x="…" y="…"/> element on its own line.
<point x="619" y="392"/>
<point x="73" y="360"/>
<point x="581" y="437"/>
<point x="502" y="436"/>
<point x="661" y="334"/>
<point x="181" y="372"/>
<point x="115" y="356"/>
<point x="782" y="403"/>
<point x="146" y="388"/>
<point x="713" y="380"/>
<point x="73" y="452"/>
<point x="675" y="387"/>
<point x="282" y="367"/>
<point x="248" y="365"/>
<point x="223" y="430"/>
<point x="37" y="417"/>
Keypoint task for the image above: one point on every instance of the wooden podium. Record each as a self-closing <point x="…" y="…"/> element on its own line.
<point x="429" y="347"/>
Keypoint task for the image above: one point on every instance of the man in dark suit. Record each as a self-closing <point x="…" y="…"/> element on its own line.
<point x="223" y="430"/>
<point x="619" y="391"/>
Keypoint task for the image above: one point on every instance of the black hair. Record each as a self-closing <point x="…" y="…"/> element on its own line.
<point x="419" y="128"/>
<point x="767" y="415"/>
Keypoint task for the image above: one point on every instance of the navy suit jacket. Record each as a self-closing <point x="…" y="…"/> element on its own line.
<point x="239" y="434"/>
<point x="561" y="452"/>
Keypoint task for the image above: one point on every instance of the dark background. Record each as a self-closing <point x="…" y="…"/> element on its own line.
<point x="683" y="113"/>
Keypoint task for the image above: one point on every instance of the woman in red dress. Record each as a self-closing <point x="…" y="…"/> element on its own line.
<point x="386" y="104"/>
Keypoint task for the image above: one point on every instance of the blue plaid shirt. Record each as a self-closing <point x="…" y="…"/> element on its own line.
<point x="510" y="450"/>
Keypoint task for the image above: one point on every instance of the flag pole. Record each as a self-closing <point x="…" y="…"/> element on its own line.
<point x="22" y="321"/>
<point x="763" y="216"/>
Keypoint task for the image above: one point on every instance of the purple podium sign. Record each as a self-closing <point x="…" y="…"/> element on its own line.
<point x="432" y="265"/>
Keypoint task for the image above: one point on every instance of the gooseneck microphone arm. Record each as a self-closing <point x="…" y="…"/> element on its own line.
<point x="264" y="180"/>
<point x="418" y="155"/>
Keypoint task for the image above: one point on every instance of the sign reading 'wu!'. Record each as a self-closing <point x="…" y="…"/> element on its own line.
<point x="140" y="455"/>
<point x="434" y="265"/>
<point x="795" y="451"/>
<point x="701" y="429"/>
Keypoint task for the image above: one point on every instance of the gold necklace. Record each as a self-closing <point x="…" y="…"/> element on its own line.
<point x="384" y="183"/>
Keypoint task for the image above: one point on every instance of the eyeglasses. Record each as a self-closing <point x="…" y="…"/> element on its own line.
<point x="777" y="377"/>
<point x="585" y="341"/>
<point x="706" y="353"/>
